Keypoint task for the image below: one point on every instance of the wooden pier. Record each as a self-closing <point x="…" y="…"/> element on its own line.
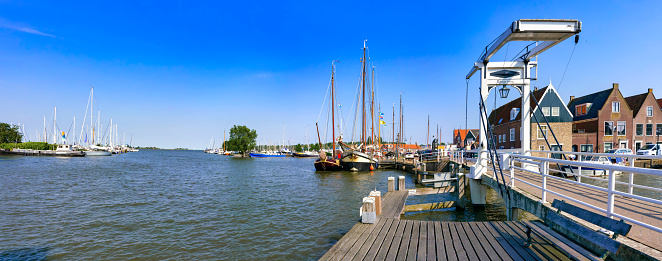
<point x="391" y="238"/>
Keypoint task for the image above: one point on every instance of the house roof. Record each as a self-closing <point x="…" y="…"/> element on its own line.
<point x="659" y="102"/>
<point x="502" y="113"/>
<point x="597" y="99"/>
<point x="636" y="101"/>
<point x="474" y="132"/>
<point x="463" y="132"/>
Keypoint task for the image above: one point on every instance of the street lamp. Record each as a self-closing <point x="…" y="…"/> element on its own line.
<point x="504" y="91"/>
<point x="658" y="131"/>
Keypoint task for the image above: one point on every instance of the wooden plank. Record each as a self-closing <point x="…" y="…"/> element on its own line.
<point x="430" y="191"/>
<point x="481" y="250"/>
<point x="432" y="253"/>
<point x="449" y="245"/>
<point x="346" y="239"/>
<point x="397" y="240"/>
<point x="588" y="234"/>
<point x="490" y="233"/>
<point x="538" y="243"/>
<point x="404" y="244"/>
<point x="370" y="240"/>
<point x="571" y="248"/>
<point x="618" y="227"/>
<point x="457" y="242"/>
<point x="396" y="227"/>
<point x="429" y="206"/>
<point x="360" y="241"/>
<point x="381" y="240"/>
<point x="516" y="242"/>
<point x="491" y="246"/>
<point x="521" y="251"/>
<point x="412" y="250"/>
<point x="468" y="245"/>
<point x="422" y="253"/>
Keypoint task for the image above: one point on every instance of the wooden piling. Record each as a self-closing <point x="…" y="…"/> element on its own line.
<point x="401" y="183"/>
<point x="377" y="195"/>
<point x="391" y="184"/>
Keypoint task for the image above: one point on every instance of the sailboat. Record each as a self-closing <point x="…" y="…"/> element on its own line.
<point x="324" y="163"/>
<point x="355" y="158"/>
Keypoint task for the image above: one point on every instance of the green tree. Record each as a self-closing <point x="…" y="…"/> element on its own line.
<point x="314" y="147"/>
<point x="241" y="139"/>
<point x="298" y="148"/>
<point x="10" y="133"/>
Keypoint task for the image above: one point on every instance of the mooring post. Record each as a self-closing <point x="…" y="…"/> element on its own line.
<point x="401" y="183"/>
<point x="368" y="214"/>
<point x="377" y="195"/>
<point x="391" y="184"/>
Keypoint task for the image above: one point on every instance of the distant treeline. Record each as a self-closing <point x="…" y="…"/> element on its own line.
<point x="29" y="146"/>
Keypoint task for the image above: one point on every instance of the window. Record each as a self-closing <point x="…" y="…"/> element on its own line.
<point x="542" y="131"/>
<point x="555" y="111"/>
<point x="615" y="107"/>
<point x="609" y="128"/>
<point x="541" y="147"/>
<point x="649" y="129"/>
<point x="580" y="110"/>
<point x="658" y="127"/>
<point x="640" y="129"/>
<point x="586" y="148"/>
<point x="609" y="146"/>
<point x="500" y="138"/>
<point x="513" y="113"/>
<point x="649" y="111"/>
<point x="545" y="111"/>
<point x="512" y="134"/>
<point x="620" y="128"/>
<point x="556" y="147"/>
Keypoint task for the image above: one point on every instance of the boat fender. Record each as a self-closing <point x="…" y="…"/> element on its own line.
<point x="372" y="167"/>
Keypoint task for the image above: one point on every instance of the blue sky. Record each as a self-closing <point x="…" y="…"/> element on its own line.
<point x="176" y="73"/>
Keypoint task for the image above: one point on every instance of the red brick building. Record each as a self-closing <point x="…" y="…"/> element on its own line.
<point x="647" y="119"/>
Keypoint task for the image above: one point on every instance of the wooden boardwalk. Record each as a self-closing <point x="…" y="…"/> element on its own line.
<point x="394" y="239"/>
<point x="637" y="209"/>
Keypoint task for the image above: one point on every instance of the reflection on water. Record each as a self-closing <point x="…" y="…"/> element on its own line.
<point x="157" y="204"/>
<point x="639" y="179"/>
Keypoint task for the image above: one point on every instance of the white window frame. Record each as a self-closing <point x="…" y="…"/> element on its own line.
<point x="556" y="111"/>
<point x="612" y="128"/>
<point x="541" y="147"/>
<point x="625" y="128"/>
<point x="539" y="130"/>
<point x="615" y="107"/>
<point x="512" y="134"/>
<point x="545" y="111"/>
<point x="513" y="113"/>
<point x="610" y="147"/>
<point x="649" y="111"/>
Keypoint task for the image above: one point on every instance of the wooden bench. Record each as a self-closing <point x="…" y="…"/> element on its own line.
<point x="604" y="238"/>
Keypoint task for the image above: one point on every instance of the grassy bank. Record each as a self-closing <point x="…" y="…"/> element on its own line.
<point x="28" y="145"/>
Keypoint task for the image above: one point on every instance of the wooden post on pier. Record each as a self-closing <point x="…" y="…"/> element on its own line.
<point x="368" y="214"/>
<point x="377" y="195"/>
<point x="391" y="184"/>
<point x="401" y="183"/>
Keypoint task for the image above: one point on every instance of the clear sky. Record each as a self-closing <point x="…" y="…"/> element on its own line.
<point x="176" y="73"/>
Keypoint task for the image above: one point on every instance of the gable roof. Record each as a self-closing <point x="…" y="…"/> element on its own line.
<point x="462" y="132"/>
<point x="598" y="100"/>
<point x="502" y="113"/>
<point x="635" y="102"/>
<point x="474" y="132"/>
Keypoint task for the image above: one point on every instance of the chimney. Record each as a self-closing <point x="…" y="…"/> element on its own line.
<point x="572" y="98"/>
<point x="615" y="85"/>
<point x="650" y="90"/>
<point x="535" y="88"/>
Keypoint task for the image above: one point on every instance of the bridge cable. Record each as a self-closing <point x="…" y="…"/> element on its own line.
<point x="569" y="59"/>
<point x="492" y="152"/>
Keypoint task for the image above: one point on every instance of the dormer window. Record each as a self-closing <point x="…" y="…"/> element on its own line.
<point x="615" y="107"/>
<point x="513" y="113"/>
<point x="581" y="109"/>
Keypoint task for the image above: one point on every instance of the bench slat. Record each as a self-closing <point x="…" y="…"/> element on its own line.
<point x="618" y="227"/>
<point x="588" y="234"/>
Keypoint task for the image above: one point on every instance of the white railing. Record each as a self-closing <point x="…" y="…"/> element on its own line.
<point x="529" y="163"/>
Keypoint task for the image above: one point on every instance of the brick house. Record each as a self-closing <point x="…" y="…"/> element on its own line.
<point x="506" y="121"/>
<point x="464" y="137"/>
<point x="647" y="119"/>
<point x="600" y="121"/>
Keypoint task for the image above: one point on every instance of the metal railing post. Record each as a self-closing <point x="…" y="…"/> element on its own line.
<point x="610" y="194"/>
<point x="543" y="170"/>
<point x="631" y="178"/>
<point x="579" y="173"/>
<point x="512" y="171"/>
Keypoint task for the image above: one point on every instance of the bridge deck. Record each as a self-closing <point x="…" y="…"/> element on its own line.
<point x="629" y="207"/>
<point x="394" y="239"/>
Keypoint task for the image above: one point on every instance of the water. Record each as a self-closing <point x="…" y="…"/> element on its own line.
<point x="183" y="205"/>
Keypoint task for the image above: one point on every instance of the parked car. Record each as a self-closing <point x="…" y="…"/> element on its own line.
<point x="619" y="151"/>
<point x="409" y="155"/>
<point x="649" y="149"/>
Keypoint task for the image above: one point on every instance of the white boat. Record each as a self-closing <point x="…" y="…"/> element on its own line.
<point x="585" y="171"/>
<point x="97" y="153"/>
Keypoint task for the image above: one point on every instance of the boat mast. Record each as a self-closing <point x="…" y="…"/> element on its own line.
<point x="363" y="133"/>
<point x="91" y="141"/>
<point x="372" y="109"/>
<point x="54" y="126"/>
<point x="333" y="110"/>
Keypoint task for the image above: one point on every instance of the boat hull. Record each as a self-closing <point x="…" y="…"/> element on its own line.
<point x="97" y="153"/>
<point x="328" y="165"/>
<point x="260" y="155"/>
<point x="303" y="155"/>
<point x="358" y="161"/>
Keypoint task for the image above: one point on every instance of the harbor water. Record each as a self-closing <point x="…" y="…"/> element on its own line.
<point x="186" y="205"/>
